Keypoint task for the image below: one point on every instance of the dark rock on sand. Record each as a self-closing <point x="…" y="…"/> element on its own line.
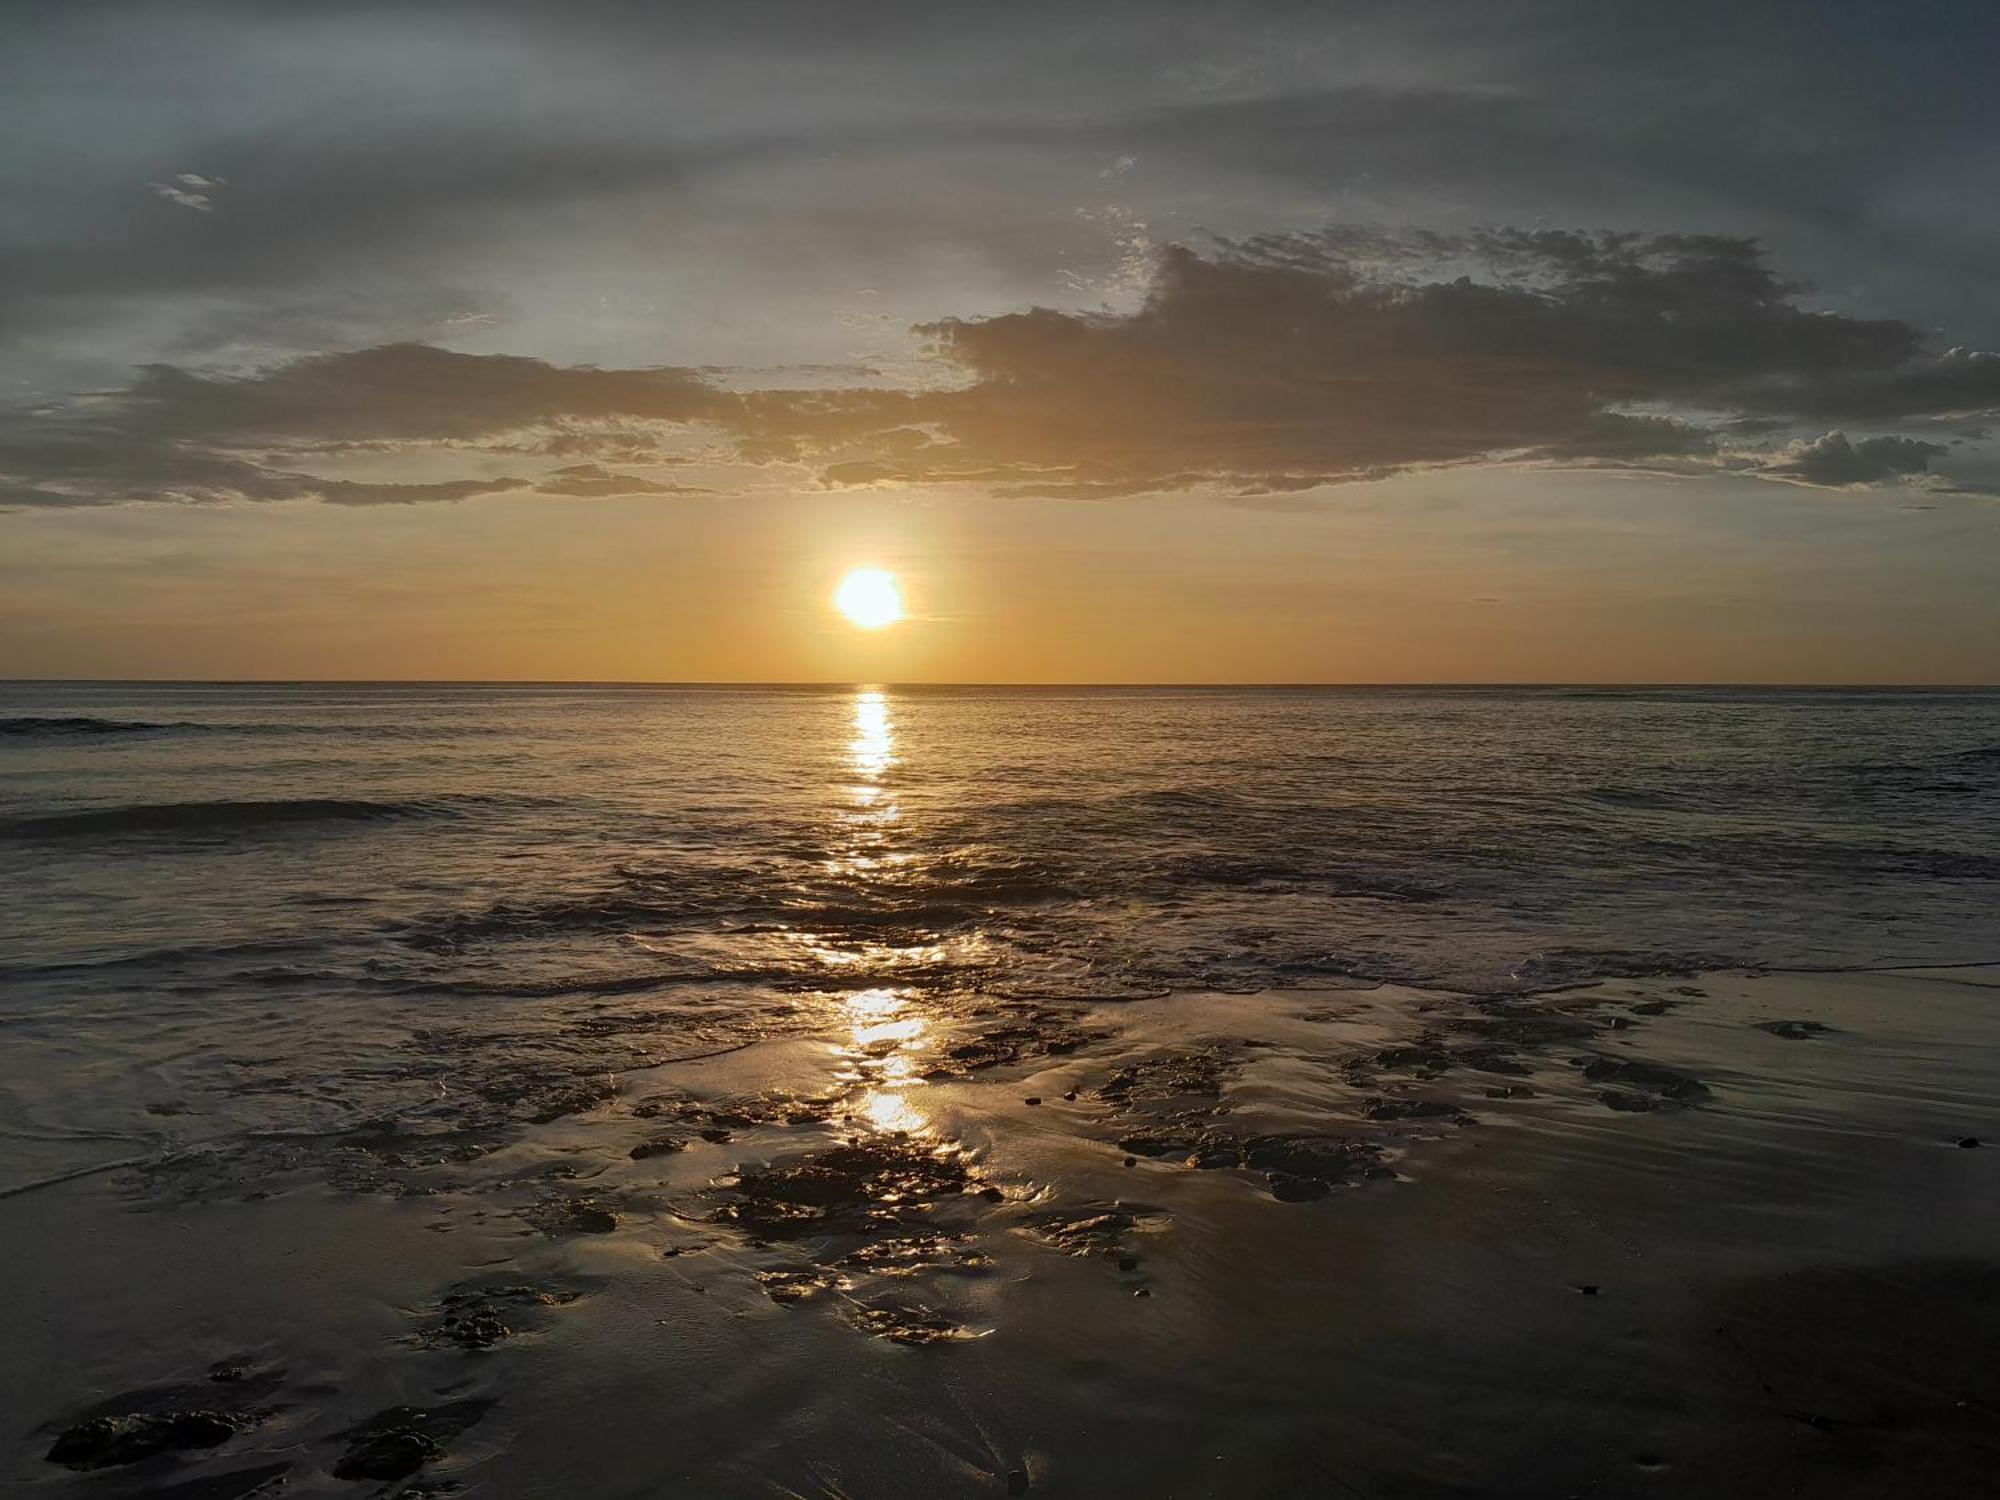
<point x="1324" y="1158"/>
<point x="1287" y="1188"/>
<point x="481" y="1316"/>
<point x="1197" y="1075"/>
<point x="1969" y="1142"/>
<point x="849" y="1187"/>
<point x="104" y="1441"/>
<point x="905" y="1255"/>
<point x="659" y="1145"/>
<point x="1796" y="1031"/>
<point x="1638" y="1086"/>
<point x="902" y="1324"/>
<point x="560" y="1216"/>
<point x="1413" y="1109"/>
<point x="1092" y="1228"/>
<point x="394" y="1444"/>
<point x="786" y="1287"/>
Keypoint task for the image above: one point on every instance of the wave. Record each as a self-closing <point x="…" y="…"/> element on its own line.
<point x="81" y="725"/>
<point x="206" y="817"/>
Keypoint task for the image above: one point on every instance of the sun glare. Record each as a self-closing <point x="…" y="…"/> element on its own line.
<point x="869" y="598"/>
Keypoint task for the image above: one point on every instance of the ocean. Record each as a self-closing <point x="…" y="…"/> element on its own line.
<point x="239" y="908"/>
<point x="782" y="1092"/>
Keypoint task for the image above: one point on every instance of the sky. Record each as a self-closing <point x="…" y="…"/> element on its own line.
<point x="1490" y="341"/>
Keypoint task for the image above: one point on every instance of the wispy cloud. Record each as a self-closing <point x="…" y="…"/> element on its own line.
<point x="189" y="190"/>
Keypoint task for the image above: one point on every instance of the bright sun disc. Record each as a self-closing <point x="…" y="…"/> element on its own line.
<point x="869" y="598"/>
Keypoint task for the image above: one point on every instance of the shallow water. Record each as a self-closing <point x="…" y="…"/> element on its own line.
<point x="235" y="908"/>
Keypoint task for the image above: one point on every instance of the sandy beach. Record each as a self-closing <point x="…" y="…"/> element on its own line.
<point x="1721" y="1234"/>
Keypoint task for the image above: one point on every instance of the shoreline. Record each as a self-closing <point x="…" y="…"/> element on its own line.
<point x="1377" y="1274"/>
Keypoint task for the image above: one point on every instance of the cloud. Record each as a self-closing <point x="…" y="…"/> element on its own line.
<point x="1267" y="366"/>
<point x="591" y="481"/>
<point x="1286" y="362"/>
<point x="1831" y="459"/>
<point x="189" y="190"/>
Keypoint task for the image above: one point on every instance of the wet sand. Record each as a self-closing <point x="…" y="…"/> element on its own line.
<point x="1708" y="1235"/>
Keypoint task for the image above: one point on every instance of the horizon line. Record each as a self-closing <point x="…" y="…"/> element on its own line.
<point x="1440" y="684"/>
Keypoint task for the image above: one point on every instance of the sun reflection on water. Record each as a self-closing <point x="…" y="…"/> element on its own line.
<point x="872" y="751"/>
<point x="880" y="1051"/>
<point x="885" y="1031"/>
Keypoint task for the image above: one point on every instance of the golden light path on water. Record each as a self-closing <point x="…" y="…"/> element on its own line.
<point x="885" y="1031"/>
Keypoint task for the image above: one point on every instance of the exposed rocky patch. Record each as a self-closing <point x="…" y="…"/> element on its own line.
<point x="1796" y="1031"/>
<point x="715" y="1119"/>
<point x="103" y="1442"/>
<point x="188" y="1416"/>
<point x="1166" y="1079"/>
<point x="865" y="1188"/>
<point x="561" y="1216"/>
<point x="1636" y="1087"/>
<point x="1093" y="1228"/>
<point x="659" y="1145"/>
<point x="786" y="1287"/>
<point x="908" y="1324"/>
<point x="395" y="1443"/>
<point x="1038" y="1032"/>
<point x="479" y="1317"/>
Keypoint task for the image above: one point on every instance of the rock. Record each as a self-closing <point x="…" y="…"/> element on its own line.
<point x="1641" y="1078"/>
<point x="1017" y="1481"/>
<point x="572" y="1216"/>
<point x="1969" y="1142"/>
<point x="388" y="1455"/>
<point x="1032" y="1099"/>
<point x="659" y="1145"/>
<point x="1795" y="1031"/>
<point x="1287" y="1188"/>
<point x="395" y="1443"/>
<point x="104" y="1441"/>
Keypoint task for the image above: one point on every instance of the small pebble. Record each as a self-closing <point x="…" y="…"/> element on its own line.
<point x="1032" y="1099"/>
<point x="1017" y="1482"/>
<point x="1142" y="1292"/>
<point x="1131" y="1161"/>
<point x="1071" y="1095"/>
<point x="1588" y="1290"/>
<point x="1967" y="1143"/>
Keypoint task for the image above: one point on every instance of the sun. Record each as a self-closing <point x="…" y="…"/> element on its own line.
<point x="869" y="598"/>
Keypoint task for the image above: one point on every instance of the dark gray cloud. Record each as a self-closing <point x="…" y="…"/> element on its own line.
<point x="175" y="434"/>
<point x="387" y="166"/>
<point x="1832" y="459"/>
<point x="1291" y="361"/>
<point x="1272" y="365"/>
